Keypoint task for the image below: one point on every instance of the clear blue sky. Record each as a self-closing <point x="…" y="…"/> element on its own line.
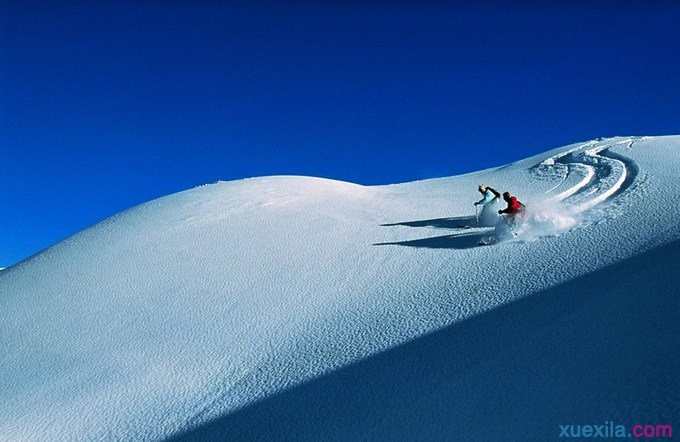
<point x="104" y="105"/>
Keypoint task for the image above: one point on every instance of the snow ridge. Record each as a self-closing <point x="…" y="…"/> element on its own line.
<point x="297" y="308"/>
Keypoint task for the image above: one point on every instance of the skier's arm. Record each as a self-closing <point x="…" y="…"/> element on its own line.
<point x="494" y="191"/>
<point x="506" y="210"/>
<point x="477" y="203"/>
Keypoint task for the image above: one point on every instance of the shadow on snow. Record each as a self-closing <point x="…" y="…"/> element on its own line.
<point x="451" y="241"/>
<point x="600" y="347"/>
<point x="454" y="241"/>
<point x="443" y="223"/>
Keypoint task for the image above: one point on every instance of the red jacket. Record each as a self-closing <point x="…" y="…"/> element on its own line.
<point x="514" y="206"/>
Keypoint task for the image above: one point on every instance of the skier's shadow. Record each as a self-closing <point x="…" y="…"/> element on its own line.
<point x="466" y="240"/>
<point x="441" y="223"/>
<point x="454" y="241"/>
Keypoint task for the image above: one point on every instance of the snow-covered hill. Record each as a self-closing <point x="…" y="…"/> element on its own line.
<point x="294" y="308"/>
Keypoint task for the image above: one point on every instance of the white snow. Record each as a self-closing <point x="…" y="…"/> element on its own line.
<point x="296" y="308"/>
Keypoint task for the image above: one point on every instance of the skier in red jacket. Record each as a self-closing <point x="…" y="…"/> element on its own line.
<point x="515" y="207"/>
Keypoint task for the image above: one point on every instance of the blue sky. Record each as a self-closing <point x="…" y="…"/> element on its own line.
<point x="104" y="105"/>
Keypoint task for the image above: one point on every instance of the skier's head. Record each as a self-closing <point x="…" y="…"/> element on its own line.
<point x="481" y="188"/>
<point x="507" y="196"/>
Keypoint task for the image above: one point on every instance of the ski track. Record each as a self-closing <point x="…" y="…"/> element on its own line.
<point x="603" y="174"/>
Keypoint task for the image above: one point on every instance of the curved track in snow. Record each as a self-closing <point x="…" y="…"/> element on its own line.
<point x="592" y="173"/>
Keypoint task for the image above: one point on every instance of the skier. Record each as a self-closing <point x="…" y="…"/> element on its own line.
<point x="515" y="207"/>
<point x="490" y="197"/>
<point x="513" y="215"/>
<point x="505" y="227"/>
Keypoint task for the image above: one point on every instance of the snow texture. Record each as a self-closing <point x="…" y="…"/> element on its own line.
<point x="296" y="308"/>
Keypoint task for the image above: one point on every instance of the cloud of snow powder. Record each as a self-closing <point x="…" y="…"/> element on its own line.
<point x="547" y="218"/>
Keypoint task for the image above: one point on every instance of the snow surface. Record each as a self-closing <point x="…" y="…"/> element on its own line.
<point x="296" y="308"/>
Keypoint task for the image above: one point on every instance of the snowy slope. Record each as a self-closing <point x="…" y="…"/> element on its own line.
<point x="302" y="308"/>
